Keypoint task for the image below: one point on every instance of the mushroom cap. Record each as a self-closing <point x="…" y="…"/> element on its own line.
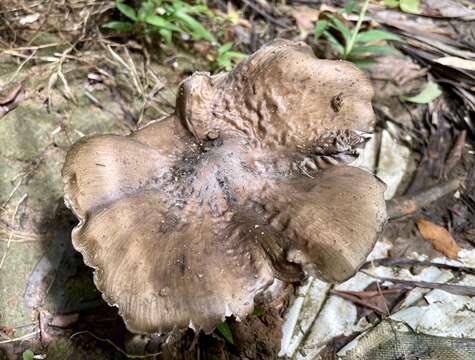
<point x="280" y="96"/>
<point x="187" y="220"/>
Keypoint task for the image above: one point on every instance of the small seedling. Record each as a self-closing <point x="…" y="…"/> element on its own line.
<point x="227" y="58"/>
<point x="166" y="17"/>
<point x="356" y="45"/>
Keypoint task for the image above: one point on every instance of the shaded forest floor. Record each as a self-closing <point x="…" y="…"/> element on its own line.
<point x="63" y="76"/>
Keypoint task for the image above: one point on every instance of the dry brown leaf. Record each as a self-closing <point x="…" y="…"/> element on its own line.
<point x="399" y="70"/>
<point x="441" y="239"/>
<point x="456" y="62"/>
<point x="305" y="17"/>
<point x="11" y="95"/>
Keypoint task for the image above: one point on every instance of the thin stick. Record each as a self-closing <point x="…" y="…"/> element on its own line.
<point x="409" y="204"/>
<point x="27" y="336"/>
<point x="265" y="15"/>
<point x="114" y="345"/>
<point x="462" y="290"/>
<point x="11" y="232"/>
<point x="31" y="56"/>
<point x="412" y="262"/>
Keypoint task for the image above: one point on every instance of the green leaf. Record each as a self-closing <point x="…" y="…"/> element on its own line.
<point x="258" y="311"/>
<point x="341" y="28"/>
<point x="320" y="27"/>
<point x="127" y="10"/>
<point x="166" y="35"/>
<point x="348" y="9"/>
<point x="225" y="331"/>
<point x="123" y="26"/>
<point x="430" y="92"/>
<point x="161" y="23"/>
<point x="145" y="10"/>
<point x="226" y="60"/>
<point x="197" y="9"/>
<point x="372" y="35"/>
<point x="226" y="56"/>
<point x="391" y="3"/>
<point x="334" y="42"/>
<point x="28" y="355"/>
<point x="180" y="6"/>
<point x="198" y="30"/>
<point x="409" y="6"/>
<point x="363" y="63"/>
<point x="225" y="63"/>
<point x="372" y="49"/>
<point x="236" y="55"/>
<point x="225" y="47"/>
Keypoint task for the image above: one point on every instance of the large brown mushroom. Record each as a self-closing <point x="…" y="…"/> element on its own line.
<point x="187" y="220"/>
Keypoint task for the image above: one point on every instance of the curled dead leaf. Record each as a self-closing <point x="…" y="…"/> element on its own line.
<point x="11" y="95"/>
<point x="441" y="239"/>
<point x="305" y="17"/>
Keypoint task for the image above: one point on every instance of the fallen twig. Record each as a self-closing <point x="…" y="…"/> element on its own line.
<point x="265" y="15"/>
<point x="411" y="262"/>
<point x="24" y="337"/>
<point x="455" y="153"/>
<point x="409" y="204"/>
<point x="348" y="296"/>
<point x="462" y="290"/>
<point x="130" y="356"/>
<point x="11" y="96"/>
<point x="4" y="256"/>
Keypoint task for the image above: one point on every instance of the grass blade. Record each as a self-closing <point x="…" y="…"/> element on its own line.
<point x="161" y="23"/>
<point x="372" y="35"/>
<point x="145" y="10"/>
<point x="127" y="10"/>
<point x="334" y="42"/>
<point x="195" y="27"/>
<point x="373" y="49"/>
<point x="236" y="55"/>
<point x="320" y="27"/>
<point x="123" y="26"/>
<point x="356" y="29"/>
<point x="363" y="63"/>
<point x="225" y="47"/>
<point x="166" y="35"/>
<point x="341" y="28"/>
<point x="225" y="331"/>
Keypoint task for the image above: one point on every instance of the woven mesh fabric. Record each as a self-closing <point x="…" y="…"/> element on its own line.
<point x="384" y="342"/>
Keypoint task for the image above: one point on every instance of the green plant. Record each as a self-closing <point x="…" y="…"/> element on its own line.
<point x="28" y="355"/>
<point x="409" y="6"/>
<point x="430" y="92"/>
<point x="175" y="16"/>
<point x="228" y="58"/>
<point x="258" y="311"/>
<point x="225" y="332"/>
<point x="166" y="17"/>
<point x="356" y="46"/>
